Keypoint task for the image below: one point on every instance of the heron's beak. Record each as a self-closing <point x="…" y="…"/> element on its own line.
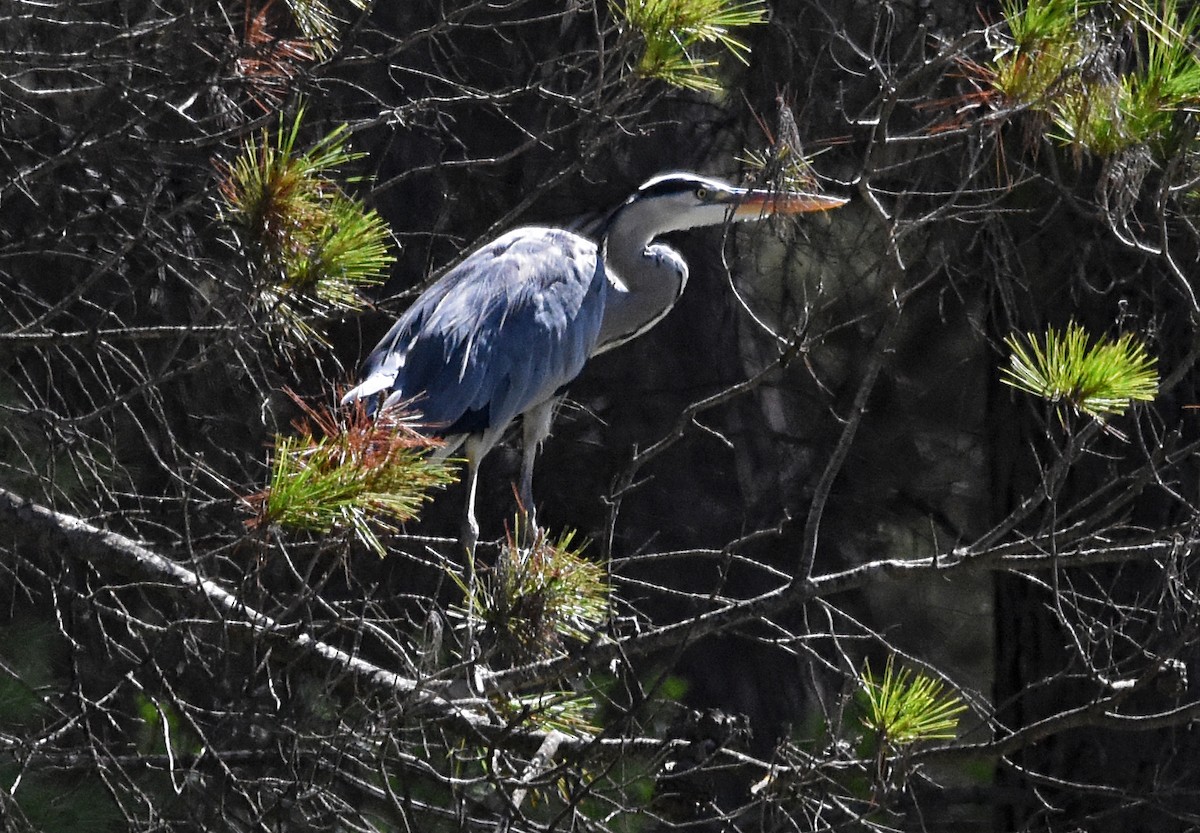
<point x="751" y="205"/>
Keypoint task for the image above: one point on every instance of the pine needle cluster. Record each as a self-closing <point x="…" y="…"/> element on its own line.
<point x="781" y="167"/>
<point x="537" y="596"/>
<point x="674" y="33"/>
<point x="1099" y="379"/>
<point x="561" y="711"/>
<point x="269" y="60"/>
<point x="1067" y="60"/>
<point x="903" y="708"/>
<point x="279" y="39"/>
<point x="350" y="472"/>
<point x="315" y="246"/>
<point x="783" y="164"/>
<point x="1043" y="46"/>
<point x="319" y="23"/>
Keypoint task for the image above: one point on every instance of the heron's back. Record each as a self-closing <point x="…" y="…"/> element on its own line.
<point x="498" y="334"/>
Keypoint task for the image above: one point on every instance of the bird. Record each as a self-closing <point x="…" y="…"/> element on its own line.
<point x="500" y="335"/>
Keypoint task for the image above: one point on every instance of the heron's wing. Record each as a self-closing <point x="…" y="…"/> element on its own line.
<point x="498" y="334"/>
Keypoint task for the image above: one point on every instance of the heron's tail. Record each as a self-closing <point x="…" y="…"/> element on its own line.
<point x="369" y="387"/>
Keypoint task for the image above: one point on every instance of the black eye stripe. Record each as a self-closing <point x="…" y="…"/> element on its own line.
<point x="673" y="186"/>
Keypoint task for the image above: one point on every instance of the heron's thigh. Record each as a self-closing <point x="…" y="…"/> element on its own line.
<point x="537" y="423"/>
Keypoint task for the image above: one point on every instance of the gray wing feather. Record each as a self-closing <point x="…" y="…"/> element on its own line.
<point x="496" y="335"/>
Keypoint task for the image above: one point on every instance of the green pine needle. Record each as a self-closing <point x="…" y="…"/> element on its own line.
<point x="363" y="475"/>
<point x="350" y="251"/>
<point x="1045" y="49"/>
<point x="674" y="31"/>
<point x="1057" y="60"/>
<point x="783" y="168"/>
<point x="537" y="596"/>
<point x="562" y="711"/>
<point x="315" y="246"/>
<point x="319" y="23"/>
<point x="903" y="708"/>
<point x="1100" y="379"/>
<point x="1037" y="24"/>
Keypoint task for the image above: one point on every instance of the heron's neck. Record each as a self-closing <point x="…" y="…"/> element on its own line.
<point x="644" y="281"/>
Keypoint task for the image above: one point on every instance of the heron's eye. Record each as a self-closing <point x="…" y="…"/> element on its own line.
<point x="702" y="193"/>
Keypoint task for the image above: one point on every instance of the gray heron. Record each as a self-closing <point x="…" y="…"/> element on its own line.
<point x="502" y="333"/>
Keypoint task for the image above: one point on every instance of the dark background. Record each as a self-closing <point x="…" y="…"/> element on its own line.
<point x="141" y="388"/>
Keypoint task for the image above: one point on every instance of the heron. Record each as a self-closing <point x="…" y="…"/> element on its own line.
<point x="500" y="335"/>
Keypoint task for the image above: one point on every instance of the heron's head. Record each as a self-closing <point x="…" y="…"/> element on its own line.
<point x="677" y="201"/>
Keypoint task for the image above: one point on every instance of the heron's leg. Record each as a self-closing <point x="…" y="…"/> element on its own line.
<point x="468" y="538"/>
<point x="469" y="532"/>
<point x="468" y="535"/>
<point x="536" y="427"/>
